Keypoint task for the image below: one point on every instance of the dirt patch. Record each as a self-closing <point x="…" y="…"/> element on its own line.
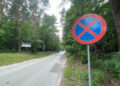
<point x="111" y="81"/>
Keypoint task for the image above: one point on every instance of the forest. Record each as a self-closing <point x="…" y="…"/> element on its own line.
<point x="25" y="21"/>
<point x="105" y="55"/>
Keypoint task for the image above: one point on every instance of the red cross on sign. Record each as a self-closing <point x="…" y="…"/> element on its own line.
<point x="89" y="29"/>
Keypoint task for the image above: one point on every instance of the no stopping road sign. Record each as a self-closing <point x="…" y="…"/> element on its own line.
<point x="89" y="29"/>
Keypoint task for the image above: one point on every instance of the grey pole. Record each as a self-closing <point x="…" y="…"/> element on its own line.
<point x="89" y="70"/>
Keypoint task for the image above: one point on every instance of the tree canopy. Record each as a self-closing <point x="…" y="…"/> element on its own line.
<point x="81" y="7"/>
<point x="26" y="21"/>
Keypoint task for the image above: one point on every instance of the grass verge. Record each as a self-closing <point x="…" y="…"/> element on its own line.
<point x="76" y="74"/>
<point x="11" y="58"/>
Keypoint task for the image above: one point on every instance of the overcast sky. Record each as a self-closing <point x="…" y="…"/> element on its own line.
<point x="55" y="9"/>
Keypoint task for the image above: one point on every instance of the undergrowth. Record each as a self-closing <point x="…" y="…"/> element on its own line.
<point x="76" y="74"/>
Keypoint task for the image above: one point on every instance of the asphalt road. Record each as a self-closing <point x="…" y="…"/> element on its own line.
<point x="38" y="72"/>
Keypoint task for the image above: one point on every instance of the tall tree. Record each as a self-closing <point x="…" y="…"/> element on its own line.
<point x="18" y="12"/>
<point x="2" y="5"/>
<point x="115" y="7"/>
<point x="27" y="11"/>
<point x="26" y="21"/>
<point x="107" y="44"/>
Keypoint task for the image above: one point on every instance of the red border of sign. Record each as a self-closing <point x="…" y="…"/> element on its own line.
<point x="103" y="23"/>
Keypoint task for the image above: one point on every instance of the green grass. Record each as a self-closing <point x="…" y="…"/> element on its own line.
<point x="11" y="58"/>
<point x="76" y="74"/>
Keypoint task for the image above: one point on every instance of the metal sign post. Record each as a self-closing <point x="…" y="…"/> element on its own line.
<point x="89" y="69"/>
<point x="89" y="29"/>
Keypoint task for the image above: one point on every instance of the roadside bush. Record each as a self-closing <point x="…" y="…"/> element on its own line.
<point x="76" y="74"/>
<point x="83" y="75"/>
<point x="113" y="65"/>
<point x="36" y="44"/>
<point x="98" y="78"/>
<point x="69" y="49"/>
<point x="105" y="56"/>
<point x="99" y="61"/>
<point x="84" y="60"/>
<point x="71" y="60"/>
<point x="94" y="83"/>
<point x="98" y="64"/>
<point x="68" y="73"/>
<point x="83" y="84"/>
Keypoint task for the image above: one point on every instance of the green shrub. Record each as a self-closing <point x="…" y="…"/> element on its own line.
<point x="113" y="65"/>
<point x="84" y="60"/>
<point x="98" y="78"/>
<point x="94" y="83"/>
<point x="69" y="49"/>
<point x="110" y="65"/>
<point x="117" y="55"/>
<point x="36" y="44"/>
<point x="83" y="53"/>
<point x="83" y="84"/>
<point x="98" y="64"/>
<point x="68" y="73"/>
<point x="71" y="60"/>
<point x="105" y="56"/>
<point x="82" y="75"/>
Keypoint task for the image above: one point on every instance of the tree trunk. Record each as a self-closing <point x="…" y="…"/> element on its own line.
<point x="2" y="4"/>
<point x="20" y="38"/>
<point x="116" y="14"/>
<point x="20" y="34"/>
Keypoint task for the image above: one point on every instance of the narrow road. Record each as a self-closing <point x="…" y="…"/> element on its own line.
<point x="37" y="72"/>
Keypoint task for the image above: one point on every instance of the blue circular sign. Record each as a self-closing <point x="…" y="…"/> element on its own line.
<point x="89" y="29"/>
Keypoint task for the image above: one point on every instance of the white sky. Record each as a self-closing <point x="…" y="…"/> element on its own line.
<point x="55" y="9"/>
